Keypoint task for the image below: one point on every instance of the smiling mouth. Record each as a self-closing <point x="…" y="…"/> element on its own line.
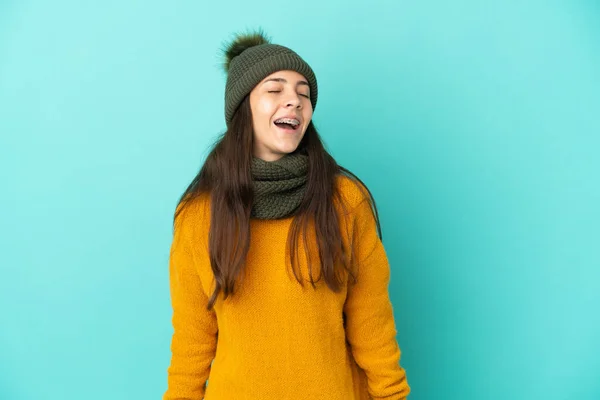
<point x="288" y="124"/>
<point x="287" y="127"/>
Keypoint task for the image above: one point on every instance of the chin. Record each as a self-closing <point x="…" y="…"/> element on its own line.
<point x="286" y="149"/>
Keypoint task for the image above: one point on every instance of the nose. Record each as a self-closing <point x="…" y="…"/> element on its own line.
<point x="293" y="100"/>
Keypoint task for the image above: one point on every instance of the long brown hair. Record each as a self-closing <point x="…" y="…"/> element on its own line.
<point x="226" y="176"/>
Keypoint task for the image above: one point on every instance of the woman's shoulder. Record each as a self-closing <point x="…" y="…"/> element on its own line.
<point x="351" y="191"/>
<point x="194" y="210"/>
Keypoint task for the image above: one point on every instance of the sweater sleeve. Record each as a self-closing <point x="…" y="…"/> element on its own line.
<point x="194" y="339"/>
<point x="370" y="326"/>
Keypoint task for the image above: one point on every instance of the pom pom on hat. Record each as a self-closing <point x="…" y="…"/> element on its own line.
<point x="241" y="42"/>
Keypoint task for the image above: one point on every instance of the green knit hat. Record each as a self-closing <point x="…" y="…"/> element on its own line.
<point x="250" y="58"/>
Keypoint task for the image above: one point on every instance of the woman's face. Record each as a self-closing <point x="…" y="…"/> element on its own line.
<point x="281" y="112"/>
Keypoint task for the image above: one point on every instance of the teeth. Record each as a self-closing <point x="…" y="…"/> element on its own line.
<point x="291" y="121"/>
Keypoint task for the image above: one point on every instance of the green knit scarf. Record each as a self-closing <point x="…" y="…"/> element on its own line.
<point x="279" y="186"/>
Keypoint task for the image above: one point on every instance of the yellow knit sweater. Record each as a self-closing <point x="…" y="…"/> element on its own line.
<point x="274" y="339"/>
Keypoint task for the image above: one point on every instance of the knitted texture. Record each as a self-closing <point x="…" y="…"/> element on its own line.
<point x="275" y="339"/>
<point x="256" y="63"/>
<point x="279" y="186"/>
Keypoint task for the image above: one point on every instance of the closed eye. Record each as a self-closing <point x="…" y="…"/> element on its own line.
<point x="279" y="91"/>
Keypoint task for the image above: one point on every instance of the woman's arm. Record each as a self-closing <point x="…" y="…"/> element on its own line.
<point x="194" y="339"/>
<point x="370" y="326"/>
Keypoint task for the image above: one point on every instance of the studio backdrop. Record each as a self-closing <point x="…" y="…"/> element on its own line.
<point x="475" y="124"/>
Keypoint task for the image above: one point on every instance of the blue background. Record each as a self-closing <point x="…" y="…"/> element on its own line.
<point x="475" y="124"/>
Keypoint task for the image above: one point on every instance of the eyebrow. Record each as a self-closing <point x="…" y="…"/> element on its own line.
<point x="285" y="81"/>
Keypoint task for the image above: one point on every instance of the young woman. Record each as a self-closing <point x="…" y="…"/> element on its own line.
<point x="279" y="279"/>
